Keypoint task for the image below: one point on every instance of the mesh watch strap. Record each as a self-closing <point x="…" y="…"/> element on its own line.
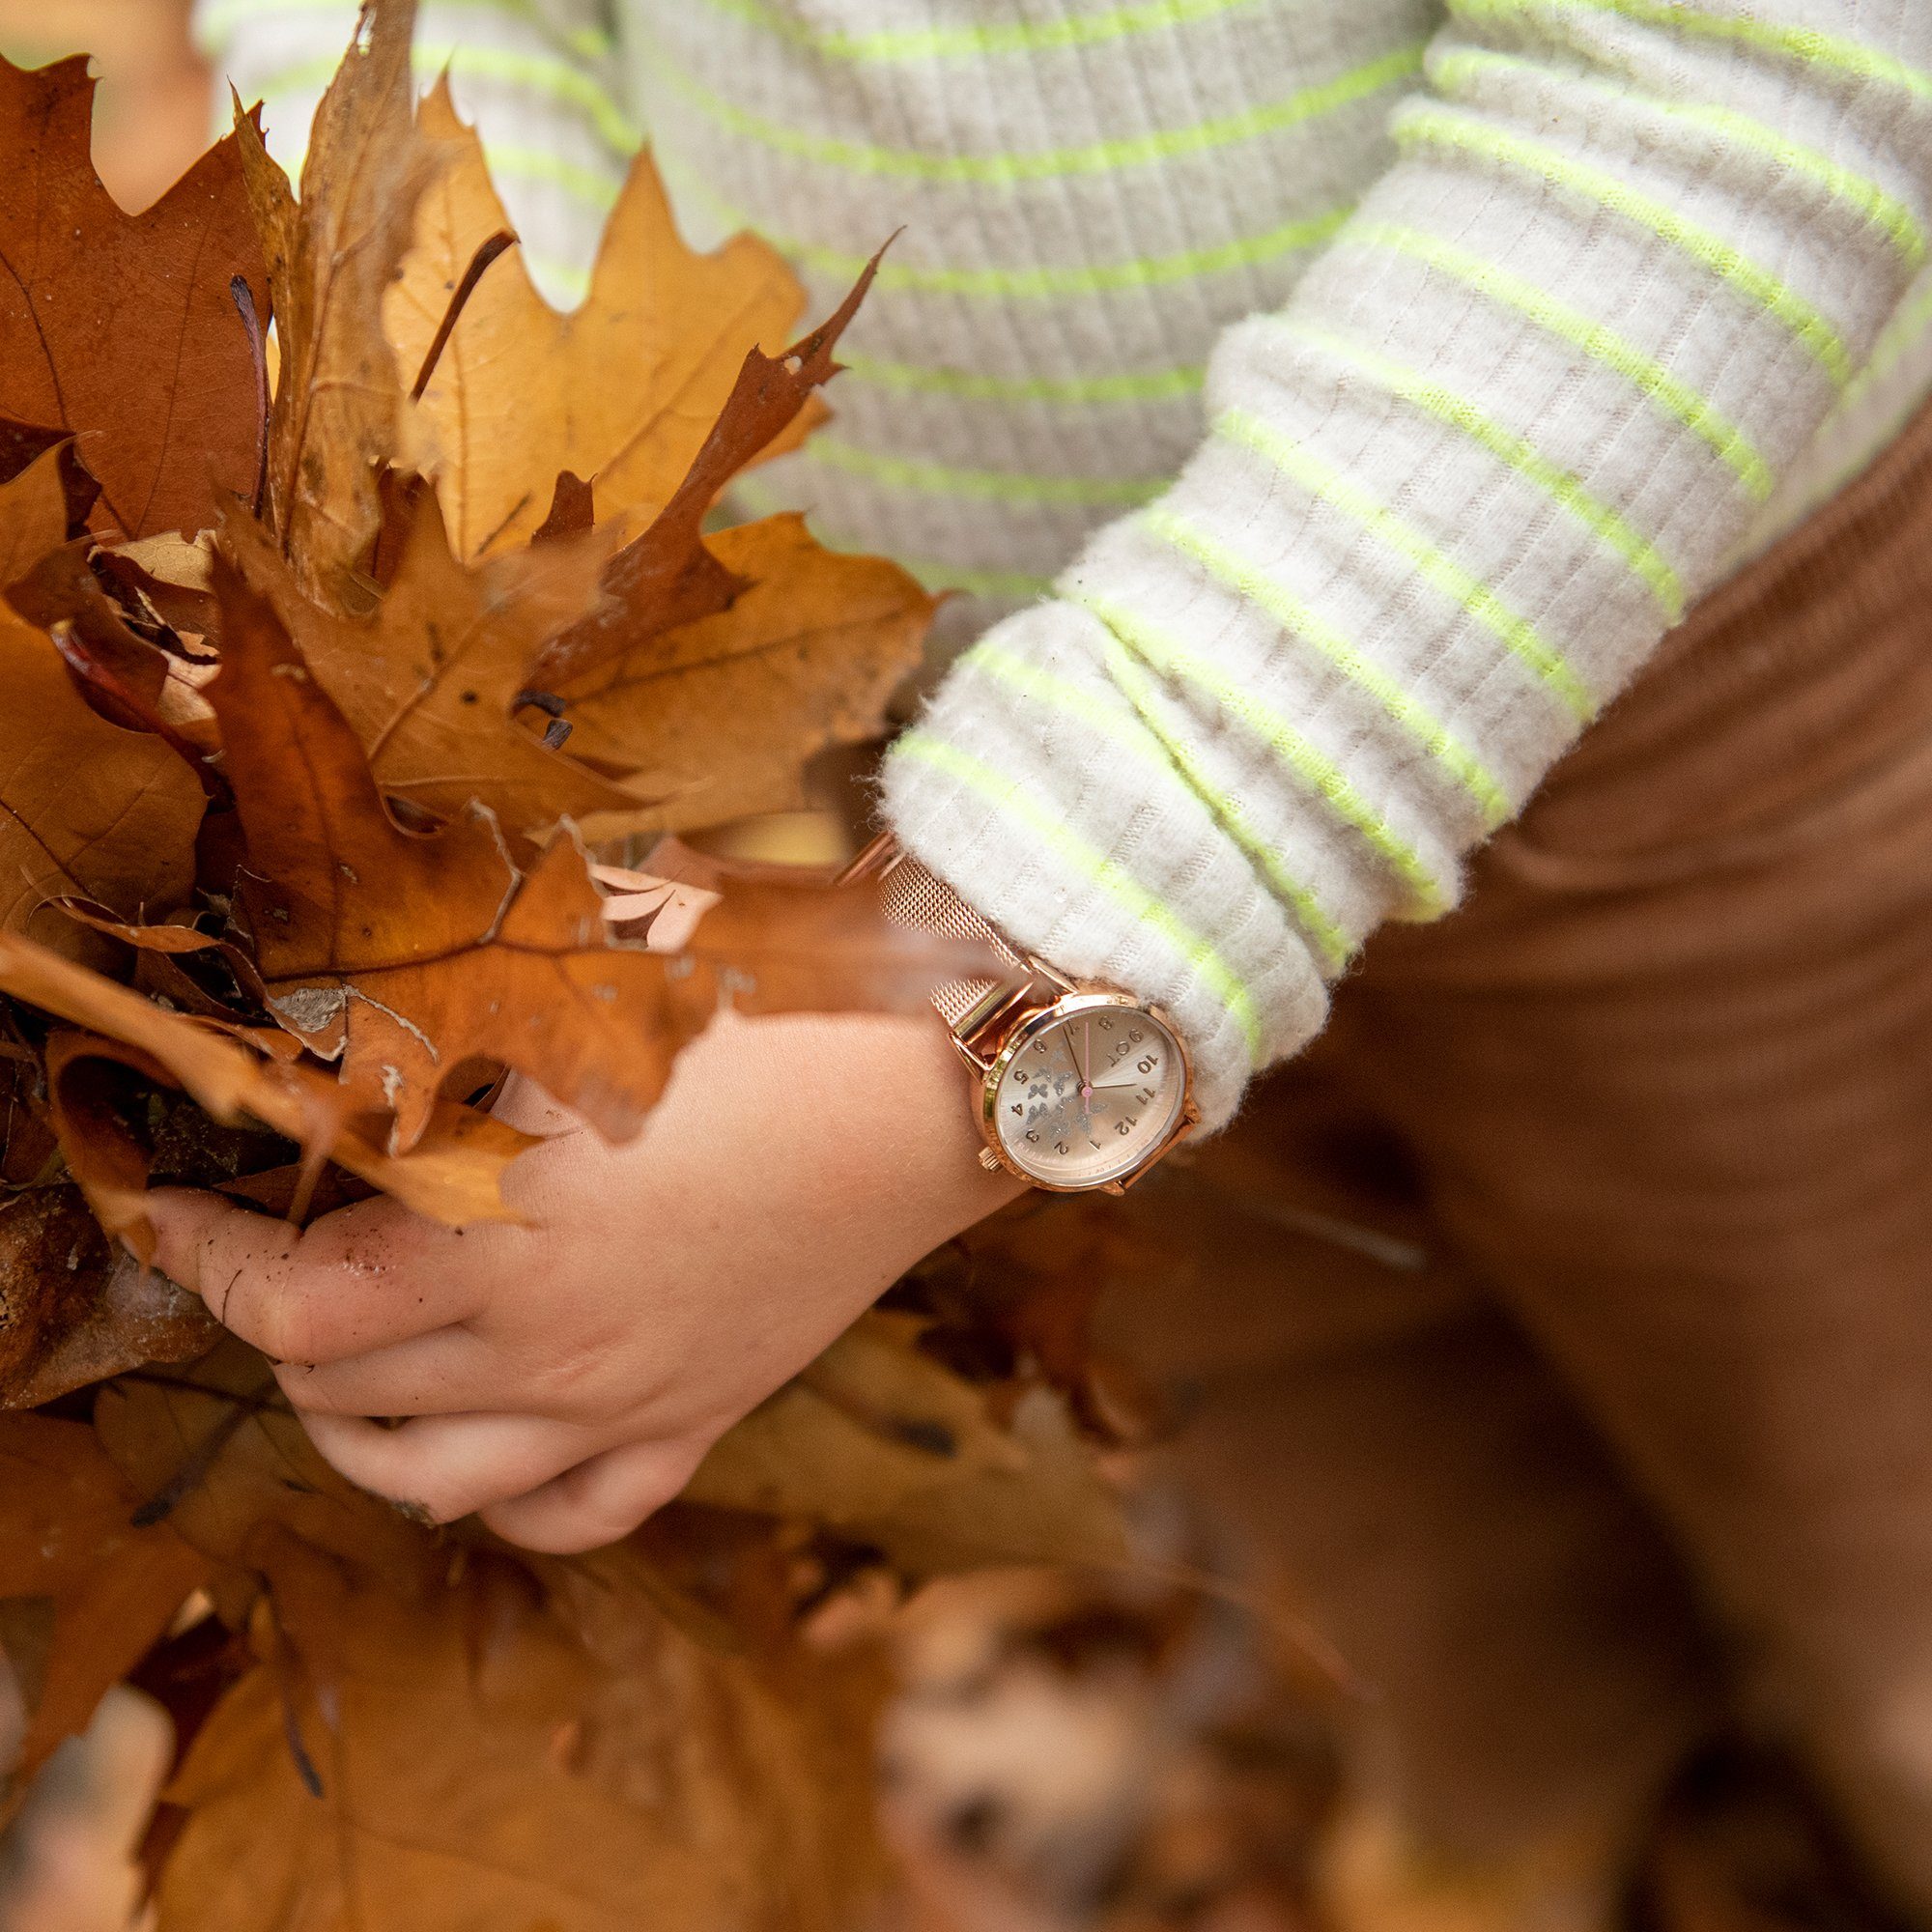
<point x="910" y="896"/>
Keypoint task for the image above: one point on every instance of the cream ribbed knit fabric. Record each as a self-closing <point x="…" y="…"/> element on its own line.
<point x="1523" y="321"/>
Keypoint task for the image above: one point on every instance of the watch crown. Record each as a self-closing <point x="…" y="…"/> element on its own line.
<point x="989" y="1160"/>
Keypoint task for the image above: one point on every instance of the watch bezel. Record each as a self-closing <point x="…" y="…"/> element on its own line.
<point x="1069" y="1005"/>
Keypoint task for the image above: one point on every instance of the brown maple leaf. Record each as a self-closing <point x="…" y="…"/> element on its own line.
<point x="626" y="389"/>
<point x="431" y="680"/>
<point x="408" y="954"/>
<point x="330" y="258"/>
<point x="86" y="807"/>
<point x="122" y="327"/>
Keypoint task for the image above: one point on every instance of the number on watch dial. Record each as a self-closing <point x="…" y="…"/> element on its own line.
<point x="1085" y="1091"/>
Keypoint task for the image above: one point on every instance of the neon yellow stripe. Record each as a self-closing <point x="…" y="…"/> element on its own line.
<point x="1099" y="158"/>
<point x="1675" y="398"/>
<point x="598" y="193"/>
<point x="1127" y="891"/>
<point x="1020" y="284"/>
<point x="1152" y="385"/>
<point x="1059" y="694"/>
<point x="1560" y="485"/>
<point x="1515" y="632"/>
<point x="1884" y="209"/>
<point x="540" y="73"/>
<point x="1017" y="37"/>
<point x="1805" y="45"/>
<point x="1000" y="486"/>
<point x="1249" y="580"/>
<point x="1711" y="251"/>
<point x="1307" y="761"/>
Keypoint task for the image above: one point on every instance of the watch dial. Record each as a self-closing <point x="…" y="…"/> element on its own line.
<point x="1085" y="1094"/>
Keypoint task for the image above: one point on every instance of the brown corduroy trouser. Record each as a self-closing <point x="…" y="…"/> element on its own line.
<point x="1657" y="1430"/>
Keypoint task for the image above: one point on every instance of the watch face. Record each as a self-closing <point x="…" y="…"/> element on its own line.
<point x="1085" y="1091"/>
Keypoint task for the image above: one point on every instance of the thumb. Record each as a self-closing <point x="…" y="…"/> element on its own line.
<point x="186" y="1222"/>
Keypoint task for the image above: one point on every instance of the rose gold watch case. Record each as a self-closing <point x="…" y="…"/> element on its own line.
<point x="992" y="1069"/>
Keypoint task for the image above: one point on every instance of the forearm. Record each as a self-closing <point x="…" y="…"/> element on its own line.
<point x="1512" y="424"/>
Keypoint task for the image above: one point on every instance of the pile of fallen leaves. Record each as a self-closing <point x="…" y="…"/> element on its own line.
<point x="355" y="604"/>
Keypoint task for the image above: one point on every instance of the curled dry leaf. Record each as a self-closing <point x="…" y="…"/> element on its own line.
<point x="126" y="836"/>
<point x="122" y="327"/>
<point x="625" y="389"/>
<point x="70" y="1548"/>
<point x="453" y="1176"/>
<point x="330" y="258"/>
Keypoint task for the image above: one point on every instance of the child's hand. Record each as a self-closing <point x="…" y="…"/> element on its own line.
<point x="565" y="1378"/>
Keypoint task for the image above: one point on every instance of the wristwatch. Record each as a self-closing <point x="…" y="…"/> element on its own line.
<point x="1080" y="1088"/>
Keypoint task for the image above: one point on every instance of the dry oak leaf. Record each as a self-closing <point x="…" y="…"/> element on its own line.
<point x="718" y="719"/>
<point x="83" y="1591"/>
<point x="411" y="953"/>
<point x="430" y="679"/>
<point x="86" y="807"/>
<point x="75" y="1310"/>
<point x="122" y="327"/>
<point x="625" y="389"/>
<point x="454" y="1175"/>
<point x="330" y="258"/>
<point x="435" y="1786"/>
<point x="879" y="1443"/>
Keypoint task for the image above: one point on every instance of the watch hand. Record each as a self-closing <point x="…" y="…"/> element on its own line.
<point x="1086" y="1066"/>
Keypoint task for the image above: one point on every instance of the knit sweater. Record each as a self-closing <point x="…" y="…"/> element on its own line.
<point x="1340" y="398"/>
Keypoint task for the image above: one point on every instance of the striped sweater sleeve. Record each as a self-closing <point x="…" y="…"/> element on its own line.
<point x="1518" y="416"/>
<point x="538" y="79"/>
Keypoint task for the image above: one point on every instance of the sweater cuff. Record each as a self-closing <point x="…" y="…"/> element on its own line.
<point x="1046" y="797"/>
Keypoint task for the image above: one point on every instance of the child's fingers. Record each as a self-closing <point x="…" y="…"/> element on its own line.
<point x="360" y="1278"/>
<point x="449" y="1465"/>
<point x="599" y="1502"/>
<point x="447" y="1373"/>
